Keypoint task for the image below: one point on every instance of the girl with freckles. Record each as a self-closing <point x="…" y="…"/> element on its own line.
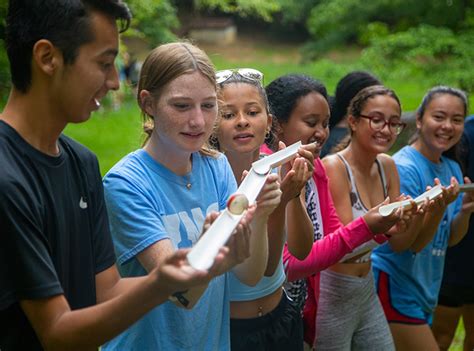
<point x="301" y="111"/>
<point x="408" y="281"/>
<point x="160" y="196"/>
<point x="262" y="317"/>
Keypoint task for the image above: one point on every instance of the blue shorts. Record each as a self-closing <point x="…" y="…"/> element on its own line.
<point x="398" y="304"/>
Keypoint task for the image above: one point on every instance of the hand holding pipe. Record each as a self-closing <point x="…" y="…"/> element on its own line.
<point x="203" y="253"/>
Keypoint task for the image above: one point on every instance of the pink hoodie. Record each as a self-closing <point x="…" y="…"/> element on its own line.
<point x="338" y="240"/>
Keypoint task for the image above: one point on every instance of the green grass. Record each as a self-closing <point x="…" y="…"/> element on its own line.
<point x="457" y="344"/>
<point x="110" y="134"/>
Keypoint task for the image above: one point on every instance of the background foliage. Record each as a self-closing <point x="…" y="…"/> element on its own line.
<point x="4" y="70"/>
<point x="432" y="39"/>
<point x="401" y="37"/>
<point x="410" y="44"/>
<point x="154" y="20"/>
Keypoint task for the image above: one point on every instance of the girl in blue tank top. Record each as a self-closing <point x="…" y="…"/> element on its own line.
<point x="261" y="316"/>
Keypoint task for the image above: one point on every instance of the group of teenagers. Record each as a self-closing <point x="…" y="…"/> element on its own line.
<point x="88" y="262"/>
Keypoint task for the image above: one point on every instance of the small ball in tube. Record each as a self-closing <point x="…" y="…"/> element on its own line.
<point x="237" y="204"/>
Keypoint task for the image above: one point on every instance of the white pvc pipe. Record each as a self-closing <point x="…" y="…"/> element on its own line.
<point x="202" y="255"/>
<point x="406" y="204"/>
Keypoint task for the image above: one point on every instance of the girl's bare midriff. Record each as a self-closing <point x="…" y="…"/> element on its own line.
<point x="255" y="308"/>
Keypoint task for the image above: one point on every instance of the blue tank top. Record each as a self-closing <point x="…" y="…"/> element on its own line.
<point x="267" y="285"/>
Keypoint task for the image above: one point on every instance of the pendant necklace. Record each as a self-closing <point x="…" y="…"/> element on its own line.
<point x="188" y="181"/>
<point x="187" y="177"/>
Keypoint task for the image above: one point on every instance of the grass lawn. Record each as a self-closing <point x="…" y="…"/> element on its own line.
<point x="457" y="344"/>
<point x="113" y="134"/>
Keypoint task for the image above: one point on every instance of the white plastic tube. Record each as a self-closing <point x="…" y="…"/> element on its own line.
<point x="406" y="204"/>
<point x="202" y="255"/>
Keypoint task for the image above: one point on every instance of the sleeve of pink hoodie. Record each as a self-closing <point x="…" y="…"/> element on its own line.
<point x="328" y="250"/>
<point x="338" y="240"/>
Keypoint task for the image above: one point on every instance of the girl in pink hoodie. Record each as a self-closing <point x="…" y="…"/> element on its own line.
<point x="300" y="108"/>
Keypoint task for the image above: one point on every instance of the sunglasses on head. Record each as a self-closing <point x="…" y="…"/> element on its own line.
<point x="249" y="73"/>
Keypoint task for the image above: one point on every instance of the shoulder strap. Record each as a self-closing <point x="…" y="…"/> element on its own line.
<point x="349" y="172"/>
<point x="382" y="177"/>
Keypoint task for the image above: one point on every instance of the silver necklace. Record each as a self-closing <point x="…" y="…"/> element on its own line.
<point x="188" y="181"/>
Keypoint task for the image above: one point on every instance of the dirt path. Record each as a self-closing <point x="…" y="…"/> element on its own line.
<point x="251" y="49"/>
<point x="246" y="48"/>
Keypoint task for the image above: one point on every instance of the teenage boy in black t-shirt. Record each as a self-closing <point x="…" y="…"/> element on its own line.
<point x="59" y="287"/>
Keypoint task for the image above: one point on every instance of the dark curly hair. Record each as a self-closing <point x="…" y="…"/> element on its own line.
<point x="284" y="92"/>
<point x="346" y="89"/>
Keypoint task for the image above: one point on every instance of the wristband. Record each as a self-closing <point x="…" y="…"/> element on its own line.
<point x="179" y="297"/>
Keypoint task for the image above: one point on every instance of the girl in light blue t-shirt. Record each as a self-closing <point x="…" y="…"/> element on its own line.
<point x="408" y="282"/>
<point x="158" y="198"/>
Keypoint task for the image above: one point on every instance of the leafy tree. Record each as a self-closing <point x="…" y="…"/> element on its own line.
<point x="258" y="8"/>
<point x="439" y="54"/>
<point x="337" y="22"/>
<point x="153" y="20"/>
<point x="295" y="11"/>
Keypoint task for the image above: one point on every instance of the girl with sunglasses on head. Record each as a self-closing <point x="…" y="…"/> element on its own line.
<point x="158" y="198"/>
<point x="300" y="107"/>
<point x="361" y="176"/>
<point x="262" y="318"/>
<point x="408" y="281"/>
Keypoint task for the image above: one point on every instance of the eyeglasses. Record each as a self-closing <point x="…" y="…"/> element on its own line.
<point x="249" y="73"/>
<point x="377" y="123"/>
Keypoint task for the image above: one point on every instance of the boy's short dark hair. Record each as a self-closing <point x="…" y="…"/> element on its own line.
<point x="66" y="23"/>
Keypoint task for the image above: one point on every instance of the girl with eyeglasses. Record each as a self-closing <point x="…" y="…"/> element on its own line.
<point x="262" y="317"/>
<point x="347" y="87"/>
<point x="301" y="111"/>
<point x="361" y="176"/>
<point x="158" y="198"/>
<point x="408" y="281"/>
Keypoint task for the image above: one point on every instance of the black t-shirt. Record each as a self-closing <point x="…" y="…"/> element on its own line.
<point x="459" y="265"/>
<point x="54" y="231"/>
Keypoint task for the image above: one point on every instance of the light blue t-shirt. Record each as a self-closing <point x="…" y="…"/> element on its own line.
<point x="420" y="273"/>
<point x="147" y="203"/>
